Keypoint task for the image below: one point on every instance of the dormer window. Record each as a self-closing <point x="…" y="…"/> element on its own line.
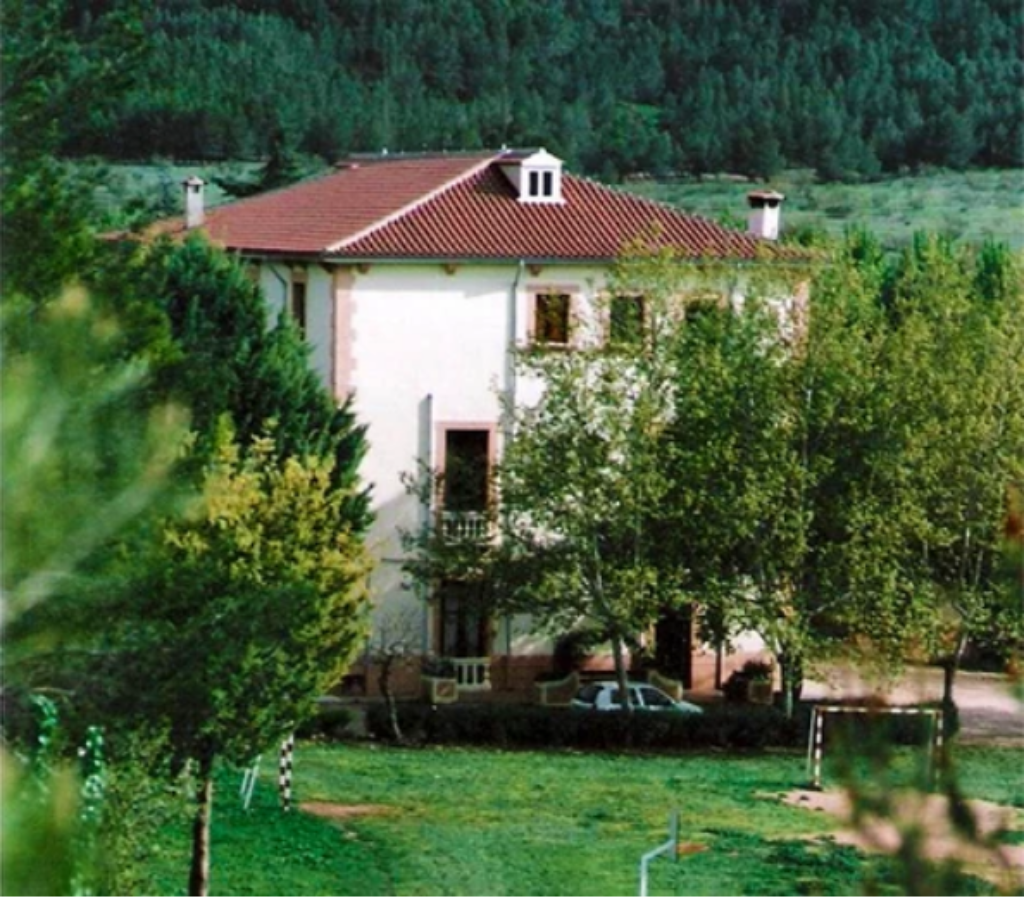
<point x="538" y="178"/>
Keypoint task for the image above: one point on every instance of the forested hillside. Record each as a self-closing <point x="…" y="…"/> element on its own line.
<point x="848" y="87"/>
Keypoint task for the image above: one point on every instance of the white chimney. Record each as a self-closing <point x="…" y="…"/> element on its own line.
<point x="194" y="214"/>
<point x="765" y="207"/>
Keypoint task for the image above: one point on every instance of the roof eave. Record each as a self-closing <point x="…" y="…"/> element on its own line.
<point x="318" y="256"/>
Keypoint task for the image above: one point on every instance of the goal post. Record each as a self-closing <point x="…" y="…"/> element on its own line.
<point x="816" y="732"/>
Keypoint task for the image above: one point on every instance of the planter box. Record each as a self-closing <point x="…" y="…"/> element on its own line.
<point x="558" y="693"/>
<point x="440" y="690"/>
<point x="670" y="686"/>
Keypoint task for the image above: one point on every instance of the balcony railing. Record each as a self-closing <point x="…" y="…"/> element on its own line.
<point x="465" y="526"/>
<point x="473" y="673"/>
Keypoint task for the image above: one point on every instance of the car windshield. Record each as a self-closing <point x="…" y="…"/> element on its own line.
<point x="653" y="697"/>
<point x="588" y="693"/>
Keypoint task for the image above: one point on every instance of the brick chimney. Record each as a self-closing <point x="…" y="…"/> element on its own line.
<point x="765" y="209"/>
<point x="194" y="213"/>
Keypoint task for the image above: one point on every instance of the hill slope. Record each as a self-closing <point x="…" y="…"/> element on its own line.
<point x="846" y="87"/>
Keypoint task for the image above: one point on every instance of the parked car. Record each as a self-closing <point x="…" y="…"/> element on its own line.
<point x="605" y="695"/>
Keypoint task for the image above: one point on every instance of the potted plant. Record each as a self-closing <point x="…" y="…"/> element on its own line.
<point x="759" y="681"/>
<point x="439" y="682"/>
<point x="752" y="683"/>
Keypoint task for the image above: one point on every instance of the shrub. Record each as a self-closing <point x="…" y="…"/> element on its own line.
<point x="539" y="727"/>
<point x="527" y="726"/>
<point x="328" y="722"/>
<point x="572" y="649"/>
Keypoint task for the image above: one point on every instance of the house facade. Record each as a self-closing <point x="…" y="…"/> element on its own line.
<point x="413" y="278"/>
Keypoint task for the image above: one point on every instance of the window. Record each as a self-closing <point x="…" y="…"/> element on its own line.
<point x="537" y="178"/>
<point x="706" y="307"/>
<point x="626" y="320"/>
<point x="297" y="304"/>
<point x="464" y="491"/>
<point x="634" y="698"/>
<point x="466" y="470"/>
<point x="551" y="319"/>
<point x="541" y="185"/>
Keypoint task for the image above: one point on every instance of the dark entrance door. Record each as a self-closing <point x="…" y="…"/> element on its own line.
<point x="465" y="629"/>
<point x="673" y="644"/>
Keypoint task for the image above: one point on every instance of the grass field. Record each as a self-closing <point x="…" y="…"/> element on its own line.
<point x="473" y="822"/>
<point x="967" y="205"/>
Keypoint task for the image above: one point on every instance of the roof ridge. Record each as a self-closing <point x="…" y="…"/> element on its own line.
<point x="665" y="205"/>
<point x="423" y="199"/>
<point x="414" y="155"/>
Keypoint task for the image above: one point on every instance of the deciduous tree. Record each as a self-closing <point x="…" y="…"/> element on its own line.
<point x="852" y="483"/>
<point x="582" y="479"/>
<point x="238" y="616"/>
<point x="956" y="383"/>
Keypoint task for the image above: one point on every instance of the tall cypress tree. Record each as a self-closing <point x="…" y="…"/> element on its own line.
<point x="228" y="360"/>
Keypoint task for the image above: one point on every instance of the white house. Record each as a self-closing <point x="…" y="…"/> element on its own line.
<point x="412" y="277"/>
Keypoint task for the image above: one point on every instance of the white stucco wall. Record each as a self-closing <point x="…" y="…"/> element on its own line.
<point x="426" y="347"/>
<point x="430" y="348"/>
<point x="275" y="278"/>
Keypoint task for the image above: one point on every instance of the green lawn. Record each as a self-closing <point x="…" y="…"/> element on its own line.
<point x="971" y="206"/>
<point x="461" y="822"/>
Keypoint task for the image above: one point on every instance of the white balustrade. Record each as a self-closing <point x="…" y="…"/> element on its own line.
<point x="463" y="526"/>
<point x="473" y="673"/>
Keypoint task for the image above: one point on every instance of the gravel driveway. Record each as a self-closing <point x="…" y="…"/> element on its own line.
<point x="989" y="710"/>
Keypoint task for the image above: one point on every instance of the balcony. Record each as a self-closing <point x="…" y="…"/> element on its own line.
<point x="473" y="673"/>
<point x="465" y="526"/>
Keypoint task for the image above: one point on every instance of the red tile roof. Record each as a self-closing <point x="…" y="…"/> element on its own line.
<point x="457" y="208"/>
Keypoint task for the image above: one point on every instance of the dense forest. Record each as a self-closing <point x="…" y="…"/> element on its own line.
<point x="850" y="88"/>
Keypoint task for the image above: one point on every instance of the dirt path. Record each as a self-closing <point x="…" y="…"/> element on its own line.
<point x="989" y="712"/>
<point x="927" y="817"/>
<point x="341" y="811"/>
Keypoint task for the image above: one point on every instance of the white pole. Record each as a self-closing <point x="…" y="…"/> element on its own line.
<point x="249" y="783"/>
<point x="671" y="847"/>
<point x="810" y="741"/>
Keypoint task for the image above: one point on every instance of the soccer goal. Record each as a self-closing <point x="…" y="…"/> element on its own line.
<point x="816" y="732"/>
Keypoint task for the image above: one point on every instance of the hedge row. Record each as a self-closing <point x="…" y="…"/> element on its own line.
<point x="553" y="727"/>
<point x="523" y="726"/>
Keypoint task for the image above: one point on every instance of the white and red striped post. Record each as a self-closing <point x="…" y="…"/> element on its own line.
<point x="819" y="745"/>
